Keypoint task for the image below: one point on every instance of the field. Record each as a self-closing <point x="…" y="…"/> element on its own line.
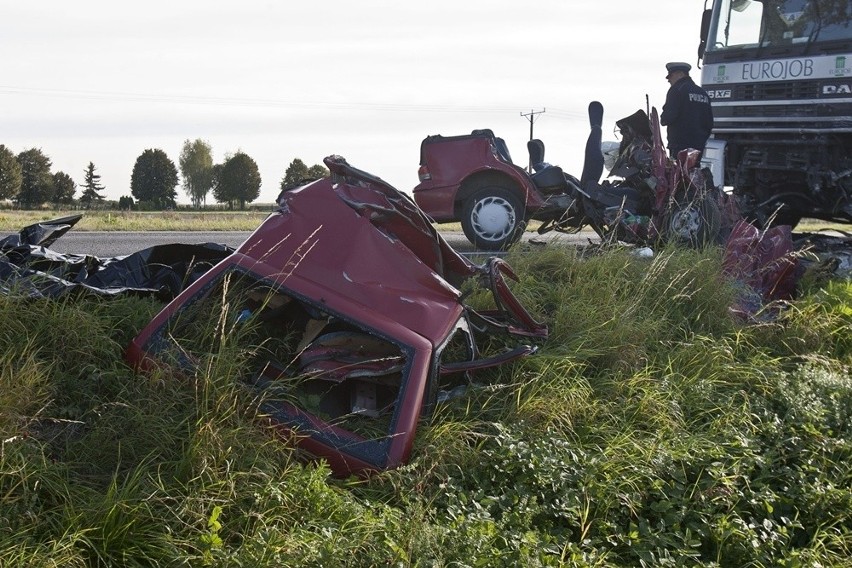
<point x="13" y="220"/>
<point x="651" y="429"/>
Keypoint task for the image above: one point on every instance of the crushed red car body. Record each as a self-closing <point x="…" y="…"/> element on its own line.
<point x="360" y="321"/>
<point x="472" y="179"/>
<point x="764" y="264"/>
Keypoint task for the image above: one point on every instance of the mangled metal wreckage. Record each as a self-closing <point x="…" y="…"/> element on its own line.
<point x="356" y="303"/>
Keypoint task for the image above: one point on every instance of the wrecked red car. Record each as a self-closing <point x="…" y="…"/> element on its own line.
<point x="355" y="302"/>
<point x="472" y="178"/>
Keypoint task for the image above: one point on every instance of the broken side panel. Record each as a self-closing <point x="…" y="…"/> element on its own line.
<point x="351" y="393"/>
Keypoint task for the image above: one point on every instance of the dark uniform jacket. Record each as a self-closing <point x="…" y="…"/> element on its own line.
<point x="688" y="116"/>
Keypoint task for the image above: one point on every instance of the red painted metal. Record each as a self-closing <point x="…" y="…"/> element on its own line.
<point x="353" y="253"/>
<point x="451" y="161"/>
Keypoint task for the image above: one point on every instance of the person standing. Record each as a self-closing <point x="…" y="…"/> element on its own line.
<point x="687" y="113"/>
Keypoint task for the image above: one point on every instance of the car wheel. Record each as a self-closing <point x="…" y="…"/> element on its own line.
<point x="693" y="222"/>
<point x="493" y="218"/>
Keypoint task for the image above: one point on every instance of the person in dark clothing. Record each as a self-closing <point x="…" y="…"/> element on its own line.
<point x="687" y="113"/>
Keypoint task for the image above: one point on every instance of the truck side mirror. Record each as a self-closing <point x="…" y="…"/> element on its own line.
<point x="705" y="31"/>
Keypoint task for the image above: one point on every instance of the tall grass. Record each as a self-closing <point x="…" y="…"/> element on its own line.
<point x="651" y="429"/>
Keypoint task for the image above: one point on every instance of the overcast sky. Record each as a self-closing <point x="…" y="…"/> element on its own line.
<point x="102" y="81"/>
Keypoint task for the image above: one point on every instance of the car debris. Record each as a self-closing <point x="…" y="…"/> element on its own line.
<point x="29" y="267"/>
<point x="648" y="199"/>
<point x="763" y="265"/>
<point x="829" y="252"/>
<point x="358" y="312"/>
<point x="355" y="300"/>
<point x="767" y="265"/>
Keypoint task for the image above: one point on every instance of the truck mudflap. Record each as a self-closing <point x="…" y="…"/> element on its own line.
<point x="348" y="304"/>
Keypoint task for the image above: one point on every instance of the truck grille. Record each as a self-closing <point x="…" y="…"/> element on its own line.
<point x="773" y="111"/>
<point x="779" y="91"/>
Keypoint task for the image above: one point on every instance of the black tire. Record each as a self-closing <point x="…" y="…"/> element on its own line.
<point x="693" y="222"/>
<point x="769" y="216"/>
<point x="786" y="216"/>
<point x="493" y="218"/>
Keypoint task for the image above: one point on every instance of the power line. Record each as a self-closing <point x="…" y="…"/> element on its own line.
<point x="248" y="102"/>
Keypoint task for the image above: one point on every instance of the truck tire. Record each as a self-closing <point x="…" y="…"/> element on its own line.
<point x="786" y="216"/>
<point x="693" y="222"/>
<point x="493" y="218"/>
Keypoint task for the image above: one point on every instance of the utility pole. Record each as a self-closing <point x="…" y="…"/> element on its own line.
<point x="531" y="116"/>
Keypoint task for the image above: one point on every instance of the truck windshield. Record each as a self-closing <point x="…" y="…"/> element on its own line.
<point x="738" y="24"/>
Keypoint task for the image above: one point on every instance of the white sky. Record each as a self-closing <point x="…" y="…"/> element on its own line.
<point x="101" y="80"/>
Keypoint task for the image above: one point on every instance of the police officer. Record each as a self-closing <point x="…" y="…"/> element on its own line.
<point x="687" y="112"/>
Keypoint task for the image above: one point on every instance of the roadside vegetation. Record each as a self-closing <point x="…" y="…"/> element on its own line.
<point x="651" y="429"/>
<point x="186" y="218"/>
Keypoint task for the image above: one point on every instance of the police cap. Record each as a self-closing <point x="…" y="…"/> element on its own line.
<point x="677" y="66"/>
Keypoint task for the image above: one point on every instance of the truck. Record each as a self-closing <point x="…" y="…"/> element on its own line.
<point x="779" y="73"/>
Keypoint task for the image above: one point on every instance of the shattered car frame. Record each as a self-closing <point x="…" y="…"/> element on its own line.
<point x="358" y="313"/>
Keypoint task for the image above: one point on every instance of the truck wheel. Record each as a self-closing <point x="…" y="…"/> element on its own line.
<point x="786" y="217"/>
<point x="493" y="218"/>
<point x="693" y="222"/>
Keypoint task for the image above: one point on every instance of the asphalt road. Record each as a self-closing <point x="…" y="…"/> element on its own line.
<point x="119" y="243"/>
<point x="107" y="244"/>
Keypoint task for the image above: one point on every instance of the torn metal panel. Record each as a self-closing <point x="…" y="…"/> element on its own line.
<point x="28" y="267"/>
<point x="764" y="264"/>
<point x="352" y="300"/>
<point x="767" y="265"/>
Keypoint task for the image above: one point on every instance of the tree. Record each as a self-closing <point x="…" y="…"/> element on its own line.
<point x="63" y="189"/>
<point x="154" y="179"/>
<point x="294" y="174"/>
<point x="297" y="173"/>
<point x="36" y="179"/>
<point x="91" y="188"/>
<point x="317" y="171"/>
<point x="215" y="185"/>
<point x="125" y="203"/>
<point x="238" y="181"/>
<point x="196" y="167"/>
<point x="10" y="174"/>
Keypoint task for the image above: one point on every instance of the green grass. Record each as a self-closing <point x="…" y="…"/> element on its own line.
<point x="651" y="429"/>
<point x="813" y="225"/>
<point x="216" y="220"/>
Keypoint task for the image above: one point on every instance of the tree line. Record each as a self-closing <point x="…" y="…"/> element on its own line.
<point x="27" y="179"/>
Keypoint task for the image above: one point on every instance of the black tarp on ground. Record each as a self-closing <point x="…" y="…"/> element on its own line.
<point x="28" y="267"/>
